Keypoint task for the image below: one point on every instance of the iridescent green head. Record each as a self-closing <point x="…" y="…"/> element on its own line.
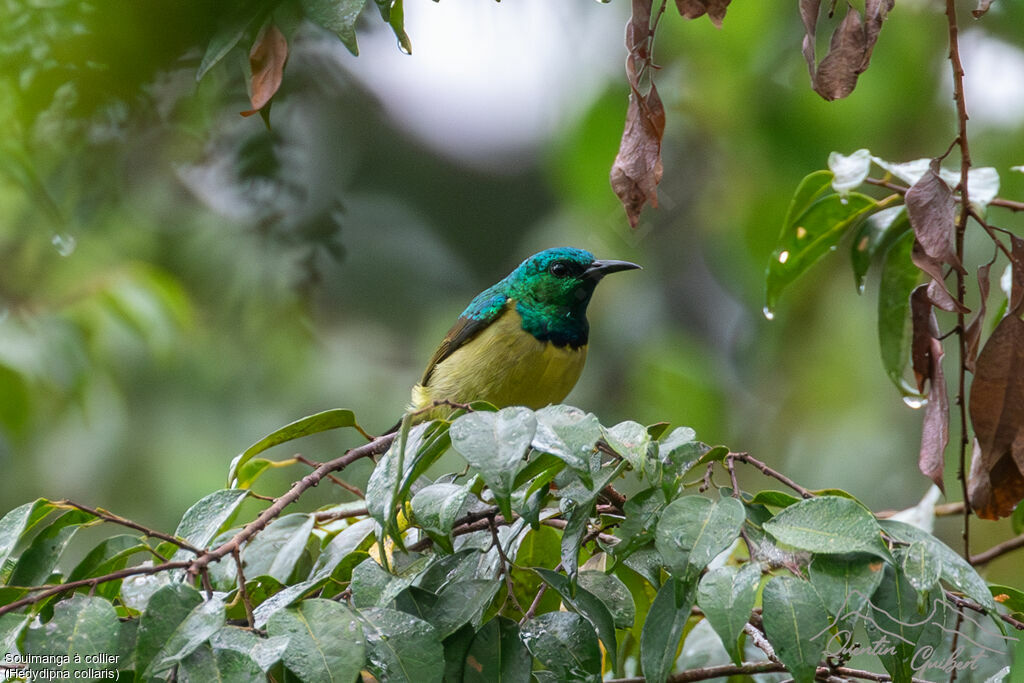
<point x="552" y="290"/>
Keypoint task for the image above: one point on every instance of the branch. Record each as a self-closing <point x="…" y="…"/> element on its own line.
<point x="375" y="447"/>
<point x="117" y="519"/>
<point x="997" y="550"/>
<point x="354" y="490"/>
<point x="975" y="607"/>
<point x="768" y="471"/>
<point x="901" y="189"/>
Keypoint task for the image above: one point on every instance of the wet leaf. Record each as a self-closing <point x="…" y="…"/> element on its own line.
<point x="338" y="17"/>
<point x="996" y="482"/>
<point x="165" y="611"/>
<point x="610" y="590"/>
<point x="496" y="445"/>
<point x="41" y="556"/>
<point x="630" y="440"/>
<point x="587" y="605"/>
<point x="497" y="653"/>
<point x="569" y="434"/>
<point x="794" y="622"/>
<point x="845" y="583"/>
<point x="275" y="550"/>
<point x="693" y="529"/>
<point x="234" y="23"/>
<point x="663" y="627"/>
<point x="325" y="640"/>
<point x="727" y="595"/>
<point x="202" y="622"/>
<point x="902" y="621"/>
<point x="566" y="644"/>
<point x="715" y="9"/>
<point x="81" y="627"/>
<point x="228" y="666"/>
<point x="203" y="520"/>
<point x="829" y="525"/>
<point x="460" y="602"/>
<point x="899" y="277"/>
<point x="435" y="509"/>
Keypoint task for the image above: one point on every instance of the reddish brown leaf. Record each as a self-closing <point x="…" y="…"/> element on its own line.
<point x="996" y="482"/>
<point x="715" y="9"/>
<point x="972" y="335"/>
<point x="809" y="14"/>
<point x="982" y="7"/>
<point x="932" y="213"/>
<point x="935" y="426"/>
<point x="266" y="60"/>
<point x="875" y="13"/>
<point x="637" y="169"/>
<point x="1017" y="268"/>
<point x="837" y="73"/>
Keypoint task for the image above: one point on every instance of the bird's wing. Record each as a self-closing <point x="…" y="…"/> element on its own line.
<point x="480" y="314"/>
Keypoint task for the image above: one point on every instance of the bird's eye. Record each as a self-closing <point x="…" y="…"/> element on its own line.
<point x="558" y="269"/>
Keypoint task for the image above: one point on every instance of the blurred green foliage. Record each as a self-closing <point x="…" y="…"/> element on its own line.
<point x="177" y="279"/>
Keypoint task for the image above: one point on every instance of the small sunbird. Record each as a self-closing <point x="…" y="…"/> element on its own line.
<point x="521" y="341"/>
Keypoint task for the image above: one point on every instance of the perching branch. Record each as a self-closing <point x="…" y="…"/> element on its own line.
<point x="117" y="519"/>
<point x="769" y="472"/>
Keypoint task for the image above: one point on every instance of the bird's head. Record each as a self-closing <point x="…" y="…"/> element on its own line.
<point x="561" y="279"/>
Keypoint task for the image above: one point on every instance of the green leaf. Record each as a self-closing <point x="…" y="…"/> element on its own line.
<point x="495" y="444"/>
<point x="19" y="520"/>
<point x="335" y="418"/>
<point x="111" y="555"/>
<point x="12" y="625"/>
<point x="284" y="598"/>
<point x="955" y="570"/>
<point x="829" y="525"/>
<point x="874" y="237"/>
<point x="395" y="473"/>
<point x="81" y="627"/>
<point x="1017" y="519"/>
<point x="235" y="22"/>
<point x="566" y="644"/>
<point x="642" y="512"/>
<point x="1009" y="597"/>
<point x="325" y="640"/>
<point x="586" y="604"/>
<point x="680" y="450"/>
<point x="845" y="583"/>
<point x="208" y="664"/>
<point x="460" y="602"/>
<point x="373" y="585"/>
<point x="348" y="541"/>
<point x="899" y="277"/>
<point x="401" y="648"/>
<point x="338" y="17"/>
<point x="776" y="499"/>
<point x="692" y="530"/>
<point x="202" y="622"/>
<point x="610" y="590"/>
<point x="264" y="651"/>
<point x="919" y="565"/>
<point x="663" y="628"/>
<point x="497" y="654"/>
<point x="203" y="520"/>
<point x="630" y="440"/>
<point x="796" y="625"/>
<point x="40" y="558"/>
<point x="435" y="509"/>
<point x="903" y="621"/>
<point x="811" y="228"/>
<point x="165" y="611"/>
<point x="276" y="549"/>
<point x="568" y="434"/>
<point x="396" y="20"/>
<point x="727" y="596"/>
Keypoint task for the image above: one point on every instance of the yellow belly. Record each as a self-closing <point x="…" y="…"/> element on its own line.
<point x="506" y="366"/>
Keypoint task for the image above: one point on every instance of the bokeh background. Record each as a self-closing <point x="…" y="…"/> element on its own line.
<point x="177" y="280"/>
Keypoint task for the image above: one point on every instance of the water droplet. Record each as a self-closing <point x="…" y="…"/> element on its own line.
<point x="769" y="314"/>
<point x="801" y="232"/>
<point x="64" y="244"/>
<point x="783" y="257"/>
<point x="915" y="402"/>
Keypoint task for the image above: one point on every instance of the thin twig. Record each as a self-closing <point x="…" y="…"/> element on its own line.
<point x="333" y="515"/>
<point x="506" y="566"/>
<point x="354" y="490"/>
<point x="995" y="551"/>
<point x="768" y="471"/>
<point x="117" y="519"/>
<point x="975" y="607"/>
<point x="375" y="447"/>
<point x="243" y="592"/>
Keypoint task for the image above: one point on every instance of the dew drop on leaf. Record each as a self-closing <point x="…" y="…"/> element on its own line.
<point x="769" y="314"/>
<point x="64" y="244"/>
<point x="915" y="402"/>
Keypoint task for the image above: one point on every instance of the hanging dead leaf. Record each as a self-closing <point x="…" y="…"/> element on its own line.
<point x="1017" y="281"/>
<point x="266" y="60"/>
<point x="935" y="426"/>
<point x="932" y="213"/>
<point x="982" y="7"/>
<point x="924" y="329"/>
<point x="637" y="168"/>
<point x="715" y="9"/>
<point x="996" y="482"/>
<point x="972" y="335"/>
<point x="850" y="48"/>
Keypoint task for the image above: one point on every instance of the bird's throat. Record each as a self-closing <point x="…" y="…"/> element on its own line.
<point x="560" y="325"/>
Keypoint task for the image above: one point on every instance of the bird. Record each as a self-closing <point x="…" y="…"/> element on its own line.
<point x="520" y="342"/>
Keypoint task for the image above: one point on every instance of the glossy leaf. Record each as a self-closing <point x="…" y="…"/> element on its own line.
<point x="264" y="651"/>
<point x="40" y="558"/>
<point x="238" y="19"/>
<point x="435" y="509"/>
<point x="874" y="237"/>
<point x="400" y="647"/>
<point x="496" y="444"/>
<point x="899" y="277"/>
<point x="796" y="625"/>
<point x="610" y="590"/>
<point x="165" y="611"/>
<point x="904" y="621"/>
<point x="566" y="644"/>
<point x="630" y="440"/>
<point x="275" y="550"/>
<point x="642" y="510"/>
<point x="845" y="583"/>
<point x="208" y="664"/>
<point x="338" y="17"/>
<point x="335" y="418"/>
<point x="203" y="520"/>
<point x="693" y="529"/>
<point x="586" y="604"/>
<point x="460" y="602"/>
<point x="325" y="640"/>
<point x="663" y="628"/>
<point x="18" y="521"/>
<point x="569" y="434"/>
<point x="829" y="525"/>
<point x="497" y="653"/>
<point x="202" y="622"/>
<point x="727" y="595"/>
<point x="81" y="627"/>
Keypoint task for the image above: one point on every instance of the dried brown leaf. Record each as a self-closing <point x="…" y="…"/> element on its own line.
<point x="935" y="426"/>
<point x="637" y="169"/>
<point x="972" y="335"/>
<point x="932" y="213"/>
<point x="937" y="292"/>
<point x="266" y="60"/>
<point x="715" y="9"/>
<point x="837" y="73"/>
<point x="809" y="14"/>
<point x="875" y="13"/>
<point x="1017" y="268"/>
<point x="996" y="482"/>
<point x="982" y="7"/>
<point x="924" y="329"/>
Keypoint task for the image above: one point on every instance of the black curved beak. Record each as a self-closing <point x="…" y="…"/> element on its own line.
<point x="598" y="269"/>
